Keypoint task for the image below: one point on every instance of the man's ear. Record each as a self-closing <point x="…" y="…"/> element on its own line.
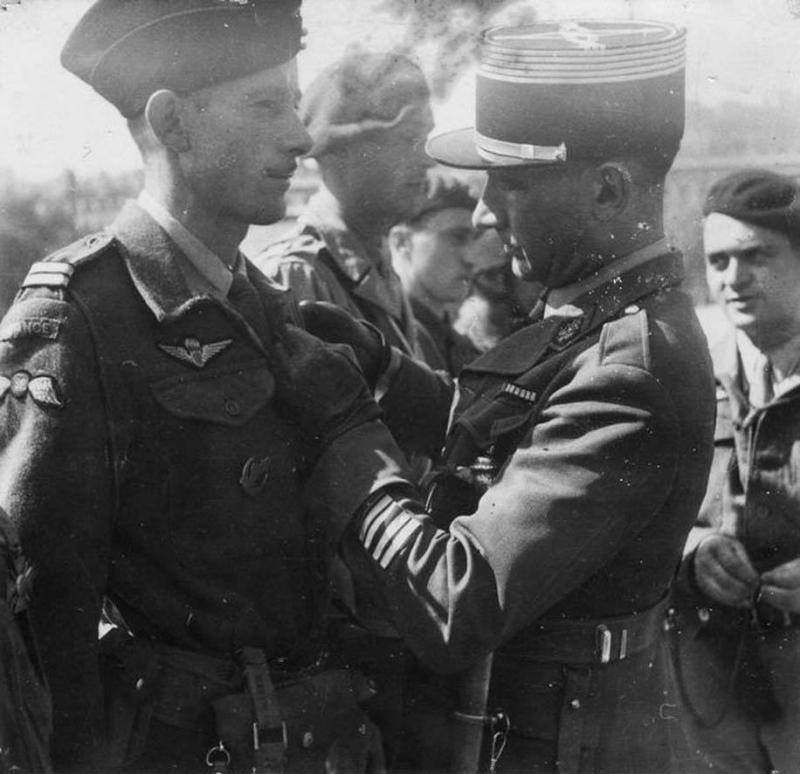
<point x="611" y="189"/>
<point x="399" y="239"/>
<point x="164" y="115"/>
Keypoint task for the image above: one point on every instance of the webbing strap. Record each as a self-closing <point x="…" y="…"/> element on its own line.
<point x="269" y="730"/>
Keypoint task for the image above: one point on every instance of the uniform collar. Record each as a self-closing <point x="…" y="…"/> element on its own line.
<point x="152" y="260"/>
<point x="204" y="271"/>
<point x="365" y="265"/>
<point x="598" y="303"/>
<point x="559" y="300"/>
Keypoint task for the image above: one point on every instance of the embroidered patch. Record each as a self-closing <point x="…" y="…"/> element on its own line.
<point x="255" y="474"/>
<point x="567" y="332"/>
<point x="30" y="327"/>
<point x="519" y="392"/>
<point x="194" y="353"/>
<point x="44" y="391"/>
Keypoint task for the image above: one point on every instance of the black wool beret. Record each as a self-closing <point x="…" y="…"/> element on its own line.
<point x="759" y="197"/>
<point x="447" y="191"/>
<point x="127" y="50"/>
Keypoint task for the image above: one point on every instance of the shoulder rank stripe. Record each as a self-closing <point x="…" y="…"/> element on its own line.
<point x="50" y="274"/>
<point x="519" y="392"/>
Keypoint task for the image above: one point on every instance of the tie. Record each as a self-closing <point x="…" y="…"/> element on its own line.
<point x="245" y="298"/>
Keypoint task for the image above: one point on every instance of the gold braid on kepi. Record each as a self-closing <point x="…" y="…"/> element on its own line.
<point x="554" y="91"/>
<point x="126" y="50"/>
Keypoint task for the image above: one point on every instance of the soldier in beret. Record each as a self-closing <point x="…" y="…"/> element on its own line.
<point x="738" y="603"/>
<point x="578" y="448"/>
<point x="435" y="254"/>
<point x="368" y="115"/>
<point x="172" y="441"/>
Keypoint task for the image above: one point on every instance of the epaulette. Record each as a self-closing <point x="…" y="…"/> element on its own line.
<point x="56" y="270"/>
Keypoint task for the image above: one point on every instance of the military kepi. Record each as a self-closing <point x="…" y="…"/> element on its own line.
<point x="127" y="50"/>
<point x="554" y="91"/>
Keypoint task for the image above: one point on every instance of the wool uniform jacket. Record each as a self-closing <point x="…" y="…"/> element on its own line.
<point x="573" y="469"/>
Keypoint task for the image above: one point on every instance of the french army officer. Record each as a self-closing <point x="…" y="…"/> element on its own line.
<point x="738" y="643"/>
<point x="578" y="448"/>
<point x="170" y="438"/>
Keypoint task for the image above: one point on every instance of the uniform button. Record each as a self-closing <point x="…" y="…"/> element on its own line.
<point x="575" y="704"/>
<point x="704" y="614"/>
<point x="762" y="511"/>
<point x="232" y="407"/>
<point x="19" y="384"/>
<point x="308" y="739"/>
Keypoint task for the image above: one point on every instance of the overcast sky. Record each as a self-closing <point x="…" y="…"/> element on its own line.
<point x="738" y="49"/>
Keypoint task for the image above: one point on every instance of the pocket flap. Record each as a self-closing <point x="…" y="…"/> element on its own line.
<point x="230" y="397"/>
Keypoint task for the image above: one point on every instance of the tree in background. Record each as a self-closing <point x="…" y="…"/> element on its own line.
<point x="449" y="31"/>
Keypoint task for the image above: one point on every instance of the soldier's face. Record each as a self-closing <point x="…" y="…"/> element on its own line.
<point x="244" y="140"/>
<point x="544" y="210"/>
<point x="387" y="169"/>
<point x="754" y="273"/>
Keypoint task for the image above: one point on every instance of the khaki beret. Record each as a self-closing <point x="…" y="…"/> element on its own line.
<point x="361" y="92"/>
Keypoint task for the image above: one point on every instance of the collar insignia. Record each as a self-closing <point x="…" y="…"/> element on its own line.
<point x="567" y="332"/>
<point x="194" y="353"/>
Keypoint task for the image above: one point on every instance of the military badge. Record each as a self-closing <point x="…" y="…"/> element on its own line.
<point x="567" y="332"/>
<point x="19" y="384"/>
<point x="44" y="391"/>
<point x="254" y="475"/>
<point x="529" y="396"/>
<point x="29" y="327"/>
<point x="194" y="353"/>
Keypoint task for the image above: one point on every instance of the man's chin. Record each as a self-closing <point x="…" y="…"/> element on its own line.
<point x="266" y="216"/>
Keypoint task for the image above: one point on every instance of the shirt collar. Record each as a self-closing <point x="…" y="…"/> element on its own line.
<point x="753" y="361"/>
<point x="204" y="271"/>
<point x="559" y="300"/>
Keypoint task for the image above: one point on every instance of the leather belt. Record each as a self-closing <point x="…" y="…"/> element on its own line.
<point x="589" y="641"/>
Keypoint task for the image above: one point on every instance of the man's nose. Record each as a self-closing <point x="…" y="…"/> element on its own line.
<point x="482" y="216"/>
<point x="737" y="273"/>
<point x="299" y="141"/>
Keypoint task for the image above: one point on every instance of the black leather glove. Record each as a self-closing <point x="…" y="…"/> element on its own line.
<point x="332" y="323"/>
<point x="320" y="386"/>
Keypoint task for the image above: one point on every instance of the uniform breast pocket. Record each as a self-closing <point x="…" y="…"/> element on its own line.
<point x="231" y="397"/>
<point x="493" y="420"/>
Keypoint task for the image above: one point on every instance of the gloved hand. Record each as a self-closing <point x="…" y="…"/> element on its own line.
<point x="333" y="324"/>
<point x="320" y="386"/>
<point x="780" y="586"/>
<point x="723" y="571"/>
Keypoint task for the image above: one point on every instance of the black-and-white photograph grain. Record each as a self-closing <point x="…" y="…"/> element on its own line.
<point x="399" y="387"/>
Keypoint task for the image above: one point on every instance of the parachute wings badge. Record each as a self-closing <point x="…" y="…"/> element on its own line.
<point x="194" y="353"/>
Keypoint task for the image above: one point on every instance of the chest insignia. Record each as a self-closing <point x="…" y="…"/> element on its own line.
<point x="194" y="353"/>
<point x="254" y="475"/>
<point x="567" y="332"/>
<point x="529" y="396"/>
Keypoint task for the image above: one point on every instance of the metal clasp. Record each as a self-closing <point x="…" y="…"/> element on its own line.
<point x="218" y="758"/>
<point x="603" y="634"/>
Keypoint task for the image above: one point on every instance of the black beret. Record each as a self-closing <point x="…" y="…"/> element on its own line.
<point x="128" y="49"/>
<point x="759" y="197"/>
<point x="361" y="92"/>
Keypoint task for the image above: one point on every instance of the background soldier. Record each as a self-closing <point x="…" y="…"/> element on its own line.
<point x="161" y="416"/>
<point x="435" y="255"/>
<point x="579" y="447"/>
<point x="740" y="581"/>
<point x="369" y="115"/>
